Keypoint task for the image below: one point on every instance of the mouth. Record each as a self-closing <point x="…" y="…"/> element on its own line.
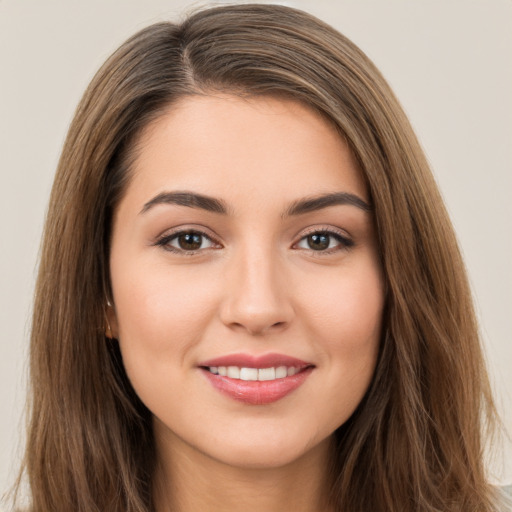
<point x="254" y="374"/>
<point x="256" y="380"/>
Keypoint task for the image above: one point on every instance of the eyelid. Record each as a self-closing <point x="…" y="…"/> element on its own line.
<point x="346" y="241"/>
<point x="163" y="239"/>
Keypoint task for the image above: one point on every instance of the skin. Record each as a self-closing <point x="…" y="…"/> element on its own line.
<point x="254" y="286"/>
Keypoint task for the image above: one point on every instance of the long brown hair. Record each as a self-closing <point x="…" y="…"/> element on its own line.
<point x="415" y="441"/>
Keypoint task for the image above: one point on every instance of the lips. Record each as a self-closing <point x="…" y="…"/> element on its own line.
<point x="256" y="380"/>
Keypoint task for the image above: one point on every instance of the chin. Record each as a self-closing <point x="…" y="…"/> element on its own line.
<point x="270" y="451"/>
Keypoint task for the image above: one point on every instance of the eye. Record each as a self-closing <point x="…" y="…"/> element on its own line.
<point x="186" y="241"/>
<point x="324" y="241"/>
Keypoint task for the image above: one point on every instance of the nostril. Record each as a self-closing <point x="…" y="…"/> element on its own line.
<point x="261" y="330"/>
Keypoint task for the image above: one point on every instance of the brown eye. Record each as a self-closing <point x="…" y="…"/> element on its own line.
<point x="190" y="241"/>
<point x="324" y="241"/>
<point x="318" y="241"/>
<point x="186" y="242"/>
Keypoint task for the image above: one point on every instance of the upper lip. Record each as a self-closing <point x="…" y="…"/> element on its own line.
<point x="252" y="361"/>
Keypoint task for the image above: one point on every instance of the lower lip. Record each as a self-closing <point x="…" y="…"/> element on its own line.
<point x="255" y="392"/>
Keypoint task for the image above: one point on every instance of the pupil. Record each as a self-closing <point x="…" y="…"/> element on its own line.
<point x="190" y="241"/>
<point x="318" y="242"/>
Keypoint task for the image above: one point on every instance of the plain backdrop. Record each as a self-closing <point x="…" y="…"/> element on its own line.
<point x="449" y="62"/>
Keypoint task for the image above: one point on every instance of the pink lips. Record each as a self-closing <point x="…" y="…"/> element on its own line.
<point x="257" y="392"/>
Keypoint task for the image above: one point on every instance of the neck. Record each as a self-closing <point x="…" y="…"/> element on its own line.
<point x="189" y="481"/>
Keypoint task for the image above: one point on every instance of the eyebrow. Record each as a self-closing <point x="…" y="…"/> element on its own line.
<point x="312" y="204"/>
<point x="211" y="204"/>
<point x="190" y="199"/>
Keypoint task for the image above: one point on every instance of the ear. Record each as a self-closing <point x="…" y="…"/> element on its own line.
<point x="111" y="327"/>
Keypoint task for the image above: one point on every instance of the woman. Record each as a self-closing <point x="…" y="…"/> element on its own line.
<point x="248" y="277"/>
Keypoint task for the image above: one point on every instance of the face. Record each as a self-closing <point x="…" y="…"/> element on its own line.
<point x="246" y="282"/>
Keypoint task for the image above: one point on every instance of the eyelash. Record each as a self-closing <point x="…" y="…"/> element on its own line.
<point x="165" y="241"/>
<point x="343" y="242"/>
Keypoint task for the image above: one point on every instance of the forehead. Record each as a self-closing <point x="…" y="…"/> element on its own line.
<point x="243" y="148"/>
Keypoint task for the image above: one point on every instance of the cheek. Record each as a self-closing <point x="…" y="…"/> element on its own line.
<point x="345" y="319"/>
<point x="347" y="309"/>
<point x="161" y="316"/>
<point x="159" y="311"/>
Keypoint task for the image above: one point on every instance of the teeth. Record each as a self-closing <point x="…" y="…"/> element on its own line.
<point x="233" y="372"/>
<point x="267" y="374"/>
<point x="248" y="373"/>
<point x="261" y="374"/>
<point x="281" y="372"/>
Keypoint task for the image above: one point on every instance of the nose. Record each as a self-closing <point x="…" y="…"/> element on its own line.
<point x="256" y="299"/>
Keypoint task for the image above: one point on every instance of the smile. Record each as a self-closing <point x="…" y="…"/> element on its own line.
<point x="256" y="380"/>
<point x="252" y="374"/>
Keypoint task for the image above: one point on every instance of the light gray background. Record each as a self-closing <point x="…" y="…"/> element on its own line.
<point x="450" y="63"/>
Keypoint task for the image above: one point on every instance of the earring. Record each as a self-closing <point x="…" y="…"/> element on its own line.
<point x="108" y="329"/>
